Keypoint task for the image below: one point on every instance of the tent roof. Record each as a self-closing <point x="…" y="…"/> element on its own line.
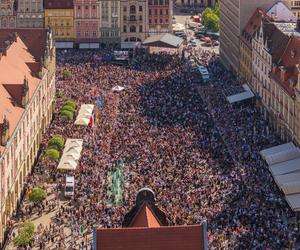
<point x="294" y="201"/>
<point x="277" y="149"/>
<point x="241" y="96"/>
<point x="164" y="40"/>
<point x="285" y="167"/>
<point x="84" y="114"/>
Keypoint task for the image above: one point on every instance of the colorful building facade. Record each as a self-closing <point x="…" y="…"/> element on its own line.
<point x="160" y="16"/>
<point x="86" y="20"/>
<point x="59" y="15"/>
<point x="30" y="14"/>
<point x="8" y="14"/>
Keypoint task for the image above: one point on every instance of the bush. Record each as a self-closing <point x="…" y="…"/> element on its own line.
<point x="68" y="108"/>
<point x="37" y="194"/>
<point x="57" y="141"/>
<point x="25" y="234"/>
<point x="59" y="94"/>
<point x="67" y="74"/>
<point x="67" y="114"/>
<point x="52" y="154"/>
<point x="70" y="103"/>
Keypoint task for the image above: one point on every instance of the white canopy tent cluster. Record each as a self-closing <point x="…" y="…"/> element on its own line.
<point x="284" y="165"/>
<point x="71" y="154"/>
<point x="84" y="115"/>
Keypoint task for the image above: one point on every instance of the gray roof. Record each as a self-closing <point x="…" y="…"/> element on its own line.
<point x="163" y="40"/>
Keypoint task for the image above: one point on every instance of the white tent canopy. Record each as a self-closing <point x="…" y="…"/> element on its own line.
<point x="247" y="94"/>
<point x="284" y="165"/>
<point x="294" y="201"/>
<point x="117" y="88"/>
<point x="71" y="154"/>
<point x="84" y="114"/>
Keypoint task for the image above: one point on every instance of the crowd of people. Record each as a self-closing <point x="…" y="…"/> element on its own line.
<point x="198" y="153"/>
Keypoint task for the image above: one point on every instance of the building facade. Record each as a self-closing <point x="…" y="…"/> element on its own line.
<point x="202" y="3"/>
<point x="8" y="14"/>
<point x="30" y="14"/>
<point x="295" y="7"/>
<point x="27" y="95"/>
<point x="59" y="15"/>
<point x="110" y="32"/>
<point x="232" y="22"/>
<point x="86" y="20"/>
<point x="134" y="21"/>
<point x="160" y="16"/>
<point x="245" y="57"/>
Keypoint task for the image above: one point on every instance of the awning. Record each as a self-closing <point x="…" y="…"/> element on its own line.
<point x="84" y="114"/>
<point x="284" y="165"/>
<point x="164" y="40"/>
<point x="64" y="45"/>
<point x="89" y="46"/>
<point x="247" y="94"/>
<point x="71" y="154"/>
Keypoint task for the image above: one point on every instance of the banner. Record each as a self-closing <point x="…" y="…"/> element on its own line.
<point x="121" y="55"/>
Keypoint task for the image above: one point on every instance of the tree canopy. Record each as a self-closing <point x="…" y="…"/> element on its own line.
<point x="37" y="194"/>
<point x="211" y="18"/>
<point x="25" y="234"/>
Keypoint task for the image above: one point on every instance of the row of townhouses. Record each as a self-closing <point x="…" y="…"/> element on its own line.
<point x="104" y="22"/>
<point x="27" y="90"/>
<point x="269" y="56"/>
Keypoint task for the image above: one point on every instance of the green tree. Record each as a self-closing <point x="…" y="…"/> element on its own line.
<point x="67" y="74"/>
<point x="57" y="141"/>
<point x="37" y="194"/>
<point x="71" y="103"/>
<point x="68" y="108"/>
<point x="217" y="10"/>
<point x="25" y="234"/>
<point x="205" y="13"/>
<point x="66" y="114"/>
<point x="213" y="22"/>
<point x="52" y="154"/>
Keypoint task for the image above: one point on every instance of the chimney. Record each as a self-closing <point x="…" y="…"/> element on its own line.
<point x="282" y="73"/>
<point x="5" y="131"/>
<point x="25" y="92"/>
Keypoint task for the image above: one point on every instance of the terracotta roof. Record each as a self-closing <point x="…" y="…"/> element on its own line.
<point x="22" y="59"/>
<point x="289" y="60"/>
<point x="253" y="25"/>
<point x="145" y="218"/>
<point x="58" y="4"/>
<point x="161" y="238"/>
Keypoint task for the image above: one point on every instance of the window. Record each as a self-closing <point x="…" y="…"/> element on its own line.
<point x="94" y="7"/>
<point x="160" y="12"/>
<point x="150" y="2"/>
<point x="132" y="29"/>
<point x="132" y="9"/>
<point x="124" y="18"/>
<point x="150" y="12"/>
<point x="124" y="28"/>
<point x="86" y="7"/>
<point x="78" y="8"/>
<point x="140" y="8"/>
<point x="124" y="8"/>
<point x="140" y="17"/>
<point x="141" y="28"/>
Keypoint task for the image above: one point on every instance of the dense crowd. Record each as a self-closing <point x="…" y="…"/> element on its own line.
<point x="182" y="139"/>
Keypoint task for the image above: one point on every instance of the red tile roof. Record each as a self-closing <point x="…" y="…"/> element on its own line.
<point x="145" y="218"/>
<point x="161" y="238"/>
<point x="22" y="59"/>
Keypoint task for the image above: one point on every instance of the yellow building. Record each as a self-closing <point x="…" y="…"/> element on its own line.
<point x="59" y="15"/>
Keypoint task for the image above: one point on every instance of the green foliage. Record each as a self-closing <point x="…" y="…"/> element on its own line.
<point x="70" y="103"/>
<point x="59" y="94"/>
<point x="52" y="154"/>
<point x="68" y="108"/>
<point x="67" y="114"/>
<point x="37" y="194"/>
<point x="217" y="10"/>
<point x="57" y="141"/>
<point x="211" y="19"/>
<point x="67" y="74"/>
<point x="25" y="234"/>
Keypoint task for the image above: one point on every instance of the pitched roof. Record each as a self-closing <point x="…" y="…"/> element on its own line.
<point x="22" y="59"/>
<point x="161" y="238"/>
<point x="252" y="25"/>
<point x="164" y="40"/>
<point x="145" y="217"/>
<point x="58" y="4"/>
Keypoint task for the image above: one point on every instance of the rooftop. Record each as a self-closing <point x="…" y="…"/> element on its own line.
<point x="21" y="53"/>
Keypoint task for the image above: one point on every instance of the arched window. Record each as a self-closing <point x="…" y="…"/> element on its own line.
<point x="132" y="9"/>
<point x="132" y="29"/>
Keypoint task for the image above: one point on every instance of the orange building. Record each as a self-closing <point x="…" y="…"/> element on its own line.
<point x="146" y="227"/>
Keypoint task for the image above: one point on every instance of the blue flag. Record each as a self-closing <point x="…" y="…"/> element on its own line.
<point x="99" y="102"/>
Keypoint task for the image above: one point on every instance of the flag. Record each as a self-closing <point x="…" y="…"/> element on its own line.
<point x="91" y="121"/>
<point x="99" y="102"/>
